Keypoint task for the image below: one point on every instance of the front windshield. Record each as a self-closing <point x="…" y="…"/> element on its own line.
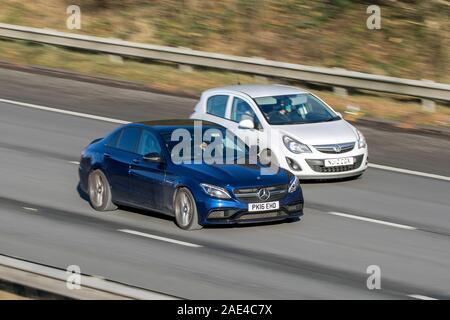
<point x="211" y="145"/>
<point x="294" y="109"/>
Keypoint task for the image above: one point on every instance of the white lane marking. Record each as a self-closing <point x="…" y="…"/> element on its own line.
<point x="71" y="113"/>
<point x="30" y="209"/>
<point x="421" y="297"/>
<point x="396" y="225"/>
<point x="146" y="235"/>
<point x="412" y="172"/>
<point x="74" y="162"/>
<point x="90" y="116"/>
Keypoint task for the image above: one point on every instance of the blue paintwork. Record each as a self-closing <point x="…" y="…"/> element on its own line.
<point x="151" y="186"/>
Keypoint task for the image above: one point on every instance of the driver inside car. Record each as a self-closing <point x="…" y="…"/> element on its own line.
<point x="285" y="112"/>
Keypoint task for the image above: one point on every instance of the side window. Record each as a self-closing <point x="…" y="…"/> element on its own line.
<point x="148" y="144"/>
<point x="241" y="110"/>
<point x="114" y="138"/>
<point x="129" y="139"/>
<point x="217" y="105"/>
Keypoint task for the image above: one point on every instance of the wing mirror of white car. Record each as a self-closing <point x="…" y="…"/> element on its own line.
<point x="246" y="124"/>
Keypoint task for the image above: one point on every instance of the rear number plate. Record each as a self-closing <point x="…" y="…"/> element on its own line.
<point x="264" y="206"/>
<point x="339" y="162"/>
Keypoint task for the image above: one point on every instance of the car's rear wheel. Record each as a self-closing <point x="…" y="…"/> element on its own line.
<point x="99" y="192"/>
<point x="186" y="210"/>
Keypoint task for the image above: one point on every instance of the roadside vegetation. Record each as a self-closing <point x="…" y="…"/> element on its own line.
<point x="171" y="79"/>
<point x="413" y="42"/>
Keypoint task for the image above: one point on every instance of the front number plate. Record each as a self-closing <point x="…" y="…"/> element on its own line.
<point x="264" y="206"/>
<point x="339" y="162"/>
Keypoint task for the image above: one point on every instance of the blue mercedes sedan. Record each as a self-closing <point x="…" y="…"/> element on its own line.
<point x="147" y="166"/>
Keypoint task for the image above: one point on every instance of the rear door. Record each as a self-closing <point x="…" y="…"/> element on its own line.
<point x="118" y="158"/>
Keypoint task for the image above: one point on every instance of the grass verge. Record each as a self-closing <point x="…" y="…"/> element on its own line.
<point x="169" y="78"/>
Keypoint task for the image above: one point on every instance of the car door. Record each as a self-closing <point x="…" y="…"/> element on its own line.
<point x="241" y="110"/>
<point x="118" y="157"/>
<point x="147" y="178"/>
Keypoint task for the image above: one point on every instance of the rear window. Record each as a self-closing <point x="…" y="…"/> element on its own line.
<point x="113" y="139"/>
<point x="129" y="139"/>
<point x="217" y="105"/>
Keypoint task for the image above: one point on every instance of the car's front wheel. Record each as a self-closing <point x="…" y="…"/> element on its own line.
<point x="186" y="210"/>
<point x="99" y="192"/>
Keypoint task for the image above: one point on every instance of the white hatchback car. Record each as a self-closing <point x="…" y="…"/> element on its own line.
<point x="306" y="136"/>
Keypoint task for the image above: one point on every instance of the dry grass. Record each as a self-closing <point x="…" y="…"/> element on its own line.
<point x="413" y="42"/>
<point x="170" y="79"/>
<point x="10" y="296"/>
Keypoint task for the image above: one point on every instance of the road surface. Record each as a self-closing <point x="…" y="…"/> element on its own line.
<point x="398" y="222"/>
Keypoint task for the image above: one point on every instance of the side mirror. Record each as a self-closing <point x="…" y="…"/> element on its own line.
<point x="153" y="157"/>
<point x="246" y="124"/>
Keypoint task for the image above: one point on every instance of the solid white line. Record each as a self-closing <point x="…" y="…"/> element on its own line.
<point x="71" y="113"/>
<point x="421" y="297"/>
<point x="396" y="225"/>
<point x="90" y="116"/>
<point x="412" y="172"/>
<point x="146" y="235"/>
<point x="30" y="209"/>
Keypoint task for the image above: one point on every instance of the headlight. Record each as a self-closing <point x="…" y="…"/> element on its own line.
<point x="215" y="191"/>
<point x="361" y="140"/>
<point x="294" y="184"/>
<point x="295" y="146"/>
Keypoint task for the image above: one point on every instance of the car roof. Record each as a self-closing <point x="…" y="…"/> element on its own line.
<point x="171" y="124"/>
<point x="261" y="90"/>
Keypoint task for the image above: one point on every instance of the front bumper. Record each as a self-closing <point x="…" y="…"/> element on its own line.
<point x="312" y="164"/>
<point x="291" y="206"/>
<point x="245" y="217"/>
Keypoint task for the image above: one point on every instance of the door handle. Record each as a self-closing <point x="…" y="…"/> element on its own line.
<point x="107" y="155"/>
<point x="136" y="161"/>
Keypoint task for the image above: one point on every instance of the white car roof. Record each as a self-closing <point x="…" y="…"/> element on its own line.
<point x="260" y="90"/>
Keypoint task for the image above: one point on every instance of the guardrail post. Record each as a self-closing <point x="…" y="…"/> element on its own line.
<point x="185" y="68"/>
<point x="427" y="104"/>
<point x="339" y="91"/>
<point x="115" y="59"/>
